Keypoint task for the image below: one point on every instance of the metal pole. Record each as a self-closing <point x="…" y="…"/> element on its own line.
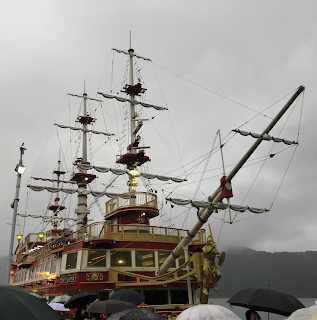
<point x="15" y="210"/>
<point x="205" y="213"/>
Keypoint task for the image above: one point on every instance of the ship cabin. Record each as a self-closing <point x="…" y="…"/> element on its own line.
<point x="123" y="251"/>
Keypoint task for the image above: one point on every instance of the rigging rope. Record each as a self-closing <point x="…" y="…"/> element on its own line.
<point x="218" y="94"/>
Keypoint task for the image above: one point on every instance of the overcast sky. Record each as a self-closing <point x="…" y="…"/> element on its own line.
<point x="215" y="65"/>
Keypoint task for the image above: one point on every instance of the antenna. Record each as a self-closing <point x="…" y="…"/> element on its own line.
<point x="130" y="40"/>
<point x="84" y="86"/>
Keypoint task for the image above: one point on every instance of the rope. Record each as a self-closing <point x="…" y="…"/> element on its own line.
<point x="218" y="94"/>
<point x="201" y="178"/>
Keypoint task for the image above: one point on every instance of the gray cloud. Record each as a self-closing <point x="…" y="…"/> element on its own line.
<point x="254" y="53"/>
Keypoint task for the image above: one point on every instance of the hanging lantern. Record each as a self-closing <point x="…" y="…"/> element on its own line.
<point x="19" y="237"/>
<point x="41" y="235"/>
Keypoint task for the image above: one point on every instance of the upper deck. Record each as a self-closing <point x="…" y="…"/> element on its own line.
<point x="115" y="232"/>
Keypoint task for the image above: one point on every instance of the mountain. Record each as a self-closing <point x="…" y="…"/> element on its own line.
<point x="289" y="272"/>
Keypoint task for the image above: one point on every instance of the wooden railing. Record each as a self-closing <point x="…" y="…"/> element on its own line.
<point x="124" y="232"/>
<point x="131" y="199"/>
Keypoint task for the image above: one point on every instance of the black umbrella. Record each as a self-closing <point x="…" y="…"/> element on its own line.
<point x="110" y="306"/>
<point x="80" y="299"/>
<point x="139" y="314"/>
<point x="16" y="303"/>
<point x="129" y="295"/>
<point x="266" y="300"/>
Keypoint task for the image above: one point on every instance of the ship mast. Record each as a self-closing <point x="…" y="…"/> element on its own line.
<point x="132" y="115"/>
<point x="82" y="183"/>
<point x="205" y="213"/>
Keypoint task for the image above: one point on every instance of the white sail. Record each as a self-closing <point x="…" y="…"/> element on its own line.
<point x="120" y="172"/>
<point x="45" y="217"/>
<point x="97" y="194"/>
<point x="84" y="130"/>
<point x="266" y="137"/>
<point x="53" y="180"/>
<point x="146" y="105"/>
<point x="218" y="205"/>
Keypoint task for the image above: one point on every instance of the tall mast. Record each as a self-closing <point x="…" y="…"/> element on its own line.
<point x="205" y="213"/>
<point x="132" y="114"/>
<point x="82" y="178"/>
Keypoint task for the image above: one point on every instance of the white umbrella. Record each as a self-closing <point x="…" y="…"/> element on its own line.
<point x="61" y="299"/>
<point x="58" y="306"/>
<point x="207" y="312"/>
<point x="309" y="313"/>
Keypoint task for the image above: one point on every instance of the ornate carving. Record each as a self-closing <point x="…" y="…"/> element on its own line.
<point x="210" y="252"/>
<point x="94" y="276"/>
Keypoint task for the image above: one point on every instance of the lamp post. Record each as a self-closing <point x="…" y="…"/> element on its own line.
<point x="19" y="169"/>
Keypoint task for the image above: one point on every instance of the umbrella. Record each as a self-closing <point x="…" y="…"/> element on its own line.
<point x="129" y="295"/>
<point x="309" y="313"/>
<point x="58" y="306"/>
<point x="266" y="300"/>
<point x="61" y="299"/>
<point x="110" y="306"/>
<point x="139" y="314"/>
<point x="80" y="299"/>
<point x="206" y="312"/>
<point x="38" y="296"/>
<point x="16" y="303"/>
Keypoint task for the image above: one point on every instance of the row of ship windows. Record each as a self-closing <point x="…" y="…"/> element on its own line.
<point x="98" y="258"/>
<point x="43" y="270"/>
<point x="123" y="258"/>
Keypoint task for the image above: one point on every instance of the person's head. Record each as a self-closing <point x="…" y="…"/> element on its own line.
<point x="252" y="315"/>
<point x="82" y="311"/>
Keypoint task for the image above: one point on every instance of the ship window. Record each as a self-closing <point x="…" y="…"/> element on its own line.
<point x="37" y="271"/>
<point x="144" y="258"/>
<point x="163" y="256"/>
<point x="96" y="258"/>
<point x="42" y="270"/>
<point x="53" y="266"/>
<point x="179" y="296"/>
<point x="47" y="268"/>
<point x="71" y="260"/>
<point x="121" y="259"/>
<point x="155" y="297"/>
<point x="33" y="273"/>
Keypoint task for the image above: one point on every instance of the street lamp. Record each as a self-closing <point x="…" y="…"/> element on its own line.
<point x="19" y="169"/>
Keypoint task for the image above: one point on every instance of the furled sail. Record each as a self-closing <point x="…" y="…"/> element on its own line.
<point x="264" y="137"/>
<point x="128" y="53"/>
<point x="120" y="172"/>
<point x="85" y="130"/>
<point x="53" y="180"/>
<point x="45" y="217"/>
<point x="80" y="96"/>
<point x="218" y="205"/>
<point x="146" y="105"/>
<point x="97" y="194"/>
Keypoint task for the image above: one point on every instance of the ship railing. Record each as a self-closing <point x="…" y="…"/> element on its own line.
<point x="131" y="199"/>
<point x="132" y="232"/>
<point x="122" y="232"/>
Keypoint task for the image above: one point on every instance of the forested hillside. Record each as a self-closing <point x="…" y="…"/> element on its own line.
<point x="291" y="272"/>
